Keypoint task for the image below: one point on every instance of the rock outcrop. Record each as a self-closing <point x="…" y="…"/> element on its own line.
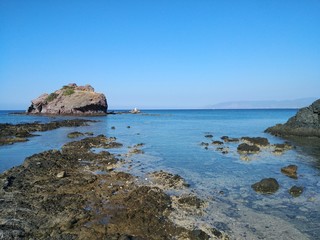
<point x="70" y="100"/>
<point x="305" y="123"/>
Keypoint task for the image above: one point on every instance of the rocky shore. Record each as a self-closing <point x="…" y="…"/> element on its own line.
<point x="74" y="193"/>
<point x="12" y="133"/>
<point x="306" y="123"/>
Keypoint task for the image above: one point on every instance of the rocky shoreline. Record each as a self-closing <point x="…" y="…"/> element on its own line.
<point x="74" y="193"/>
<point x="306" y="123"/>
<point x="12" y="133"/>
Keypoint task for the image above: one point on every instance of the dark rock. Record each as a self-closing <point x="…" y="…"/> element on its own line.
<point x="198" y="234"/>
<point x="136" y="151"/>
<point x="244" y="148"/>
<point x="266" y="186"/>
<point x="280" y="148"/>
<point x="12" y="140"/>
<point x="209" y="136"/>
<point x="191" y="201"/>
<point x="217" y="143"/>
<point x="218" y="234"/>
<point x="75" y="134"/>
<point x="70" y="100"/>
<point x="139" y="145"/>
<point x="305" y="123"/>
<point x="283" y="146"/>
<point x="296" y="191"/>
<point x="8" y="132"/>
<point x="290" y="171"/>
<point x="223" y="150"/>
<point x="259" y="141"/>
<point x="35" y="204"/>
<point x="204" y="144"/>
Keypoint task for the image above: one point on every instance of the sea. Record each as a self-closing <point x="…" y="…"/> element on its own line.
<point x="172" y="142"/>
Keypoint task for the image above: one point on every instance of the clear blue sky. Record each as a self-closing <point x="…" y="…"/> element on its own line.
<point x="160" y="54"/>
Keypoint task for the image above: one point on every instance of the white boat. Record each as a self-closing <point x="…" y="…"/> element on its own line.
<point x="135" y="110"/>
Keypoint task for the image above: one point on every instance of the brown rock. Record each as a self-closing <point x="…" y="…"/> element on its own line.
<point x="70" y="100"/>
<point x="246" y="148"/>
<point x="290" y="171"/>
<point x="259" y="141"/>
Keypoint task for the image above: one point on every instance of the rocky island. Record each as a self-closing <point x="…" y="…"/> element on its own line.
<point x="306" y="123"/>
<point x="70" y="100"/>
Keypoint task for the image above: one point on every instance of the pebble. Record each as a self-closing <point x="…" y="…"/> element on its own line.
<point x="61" y="174"/>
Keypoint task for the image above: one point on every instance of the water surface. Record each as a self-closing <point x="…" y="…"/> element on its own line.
<point x="172" y="142"/>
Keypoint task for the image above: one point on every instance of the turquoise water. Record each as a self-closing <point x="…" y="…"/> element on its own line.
<point x="172" y="142"/>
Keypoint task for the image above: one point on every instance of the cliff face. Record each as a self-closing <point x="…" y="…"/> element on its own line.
<point x="305" y="123"/>
<point x="70" y="100"/>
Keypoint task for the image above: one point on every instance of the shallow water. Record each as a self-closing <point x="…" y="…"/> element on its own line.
<point x="172" y="142"/>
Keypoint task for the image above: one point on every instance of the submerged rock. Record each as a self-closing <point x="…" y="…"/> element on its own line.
<point x="209" y="136"/>
<point x="70" y="100"/>
<point x="306" y="123"/>
<point x="280" y="148"/>
<point x="266" y="186"/>
<point x="228" y="139"/>
<point x="75" y="134"/>
<point x="217" y="143"/>
<point x="204" y="144"/>
<point x="296" y="191"/>
<point x="223" y="150"/>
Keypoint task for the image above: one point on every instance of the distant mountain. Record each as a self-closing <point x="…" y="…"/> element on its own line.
<point x="296" y="103"/>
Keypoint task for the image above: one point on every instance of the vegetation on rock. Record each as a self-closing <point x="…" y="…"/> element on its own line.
<point x="52" y="96"/>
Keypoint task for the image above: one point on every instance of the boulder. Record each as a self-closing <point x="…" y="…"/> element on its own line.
<point x="305" y="123"/>
<point x="244" y="148"/>
<point x="266" y="186"/>
<point x="296" y="191"/>
<point x="217" y="143"/>
<point x="70" y="100"/>
<point x="290" y="171"/>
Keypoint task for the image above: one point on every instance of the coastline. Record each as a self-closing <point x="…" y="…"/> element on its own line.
<point x="77" y="193"/>
<point x="222" y="199"/>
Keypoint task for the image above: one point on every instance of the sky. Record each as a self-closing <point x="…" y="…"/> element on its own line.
<point x="160" y="53"/>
